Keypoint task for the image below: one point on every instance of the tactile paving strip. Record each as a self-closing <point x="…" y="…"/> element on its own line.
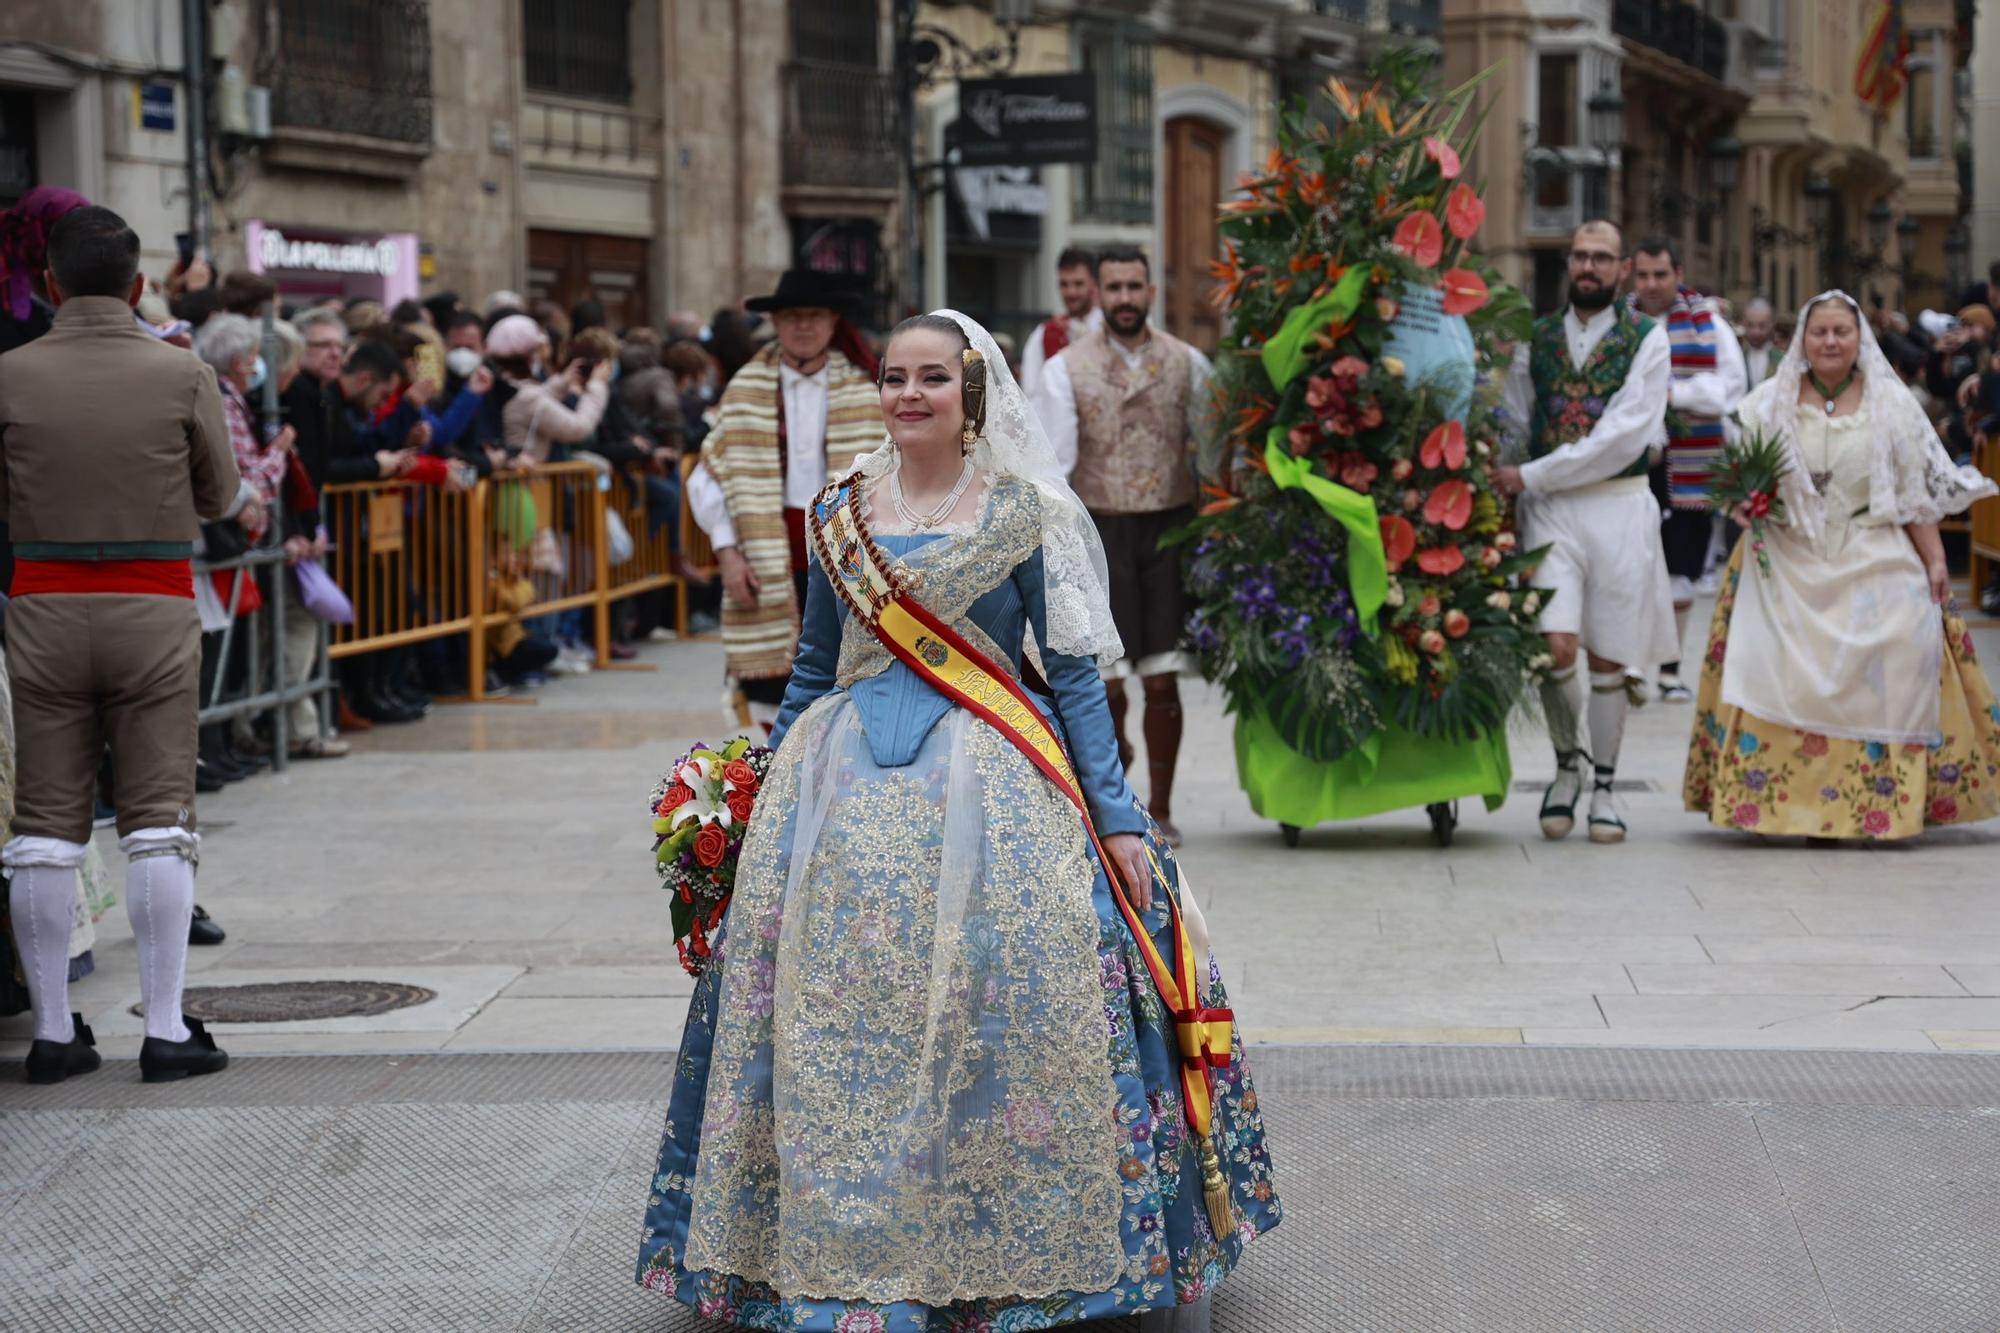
<point x="1427" y="1188"/>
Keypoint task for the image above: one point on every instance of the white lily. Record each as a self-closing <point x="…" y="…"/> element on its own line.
<point x="702" y="808"/>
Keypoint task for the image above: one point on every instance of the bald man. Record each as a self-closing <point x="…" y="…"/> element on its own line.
<point x="1591" y="387"/>
<point x="1761" y="352"/>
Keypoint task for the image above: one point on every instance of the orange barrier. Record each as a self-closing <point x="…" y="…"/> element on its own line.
<point x="696" y="553"/>
<point x="1985" y="523"/>
<point x="419" y="563"/>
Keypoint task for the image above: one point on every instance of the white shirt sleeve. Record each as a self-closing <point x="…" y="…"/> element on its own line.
<point x="1033" y="359"/>
<point x="1517" y="397"/>
<point x="1631" y="422"/>
<point x="1055" y="404"/>
<point x="710" y="509"/>
<point x="1713" y="393"/>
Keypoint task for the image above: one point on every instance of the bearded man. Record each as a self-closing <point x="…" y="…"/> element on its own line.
<point x="1591" y="386"/>
<point x="1076" y="283"/>
<point x="796" y="415"/>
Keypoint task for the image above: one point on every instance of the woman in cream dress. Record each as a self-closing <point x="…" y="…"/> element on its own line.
<point x="1840" y="697"/>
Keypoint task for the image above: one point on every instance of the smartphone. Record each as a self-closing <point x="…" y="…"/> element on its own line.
<point x="184" y="244"/>
<point x="430" y="363"/>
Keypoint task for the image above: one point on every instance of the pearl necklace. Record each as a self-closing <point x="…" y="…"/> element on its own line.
<point x="936" y="515"/>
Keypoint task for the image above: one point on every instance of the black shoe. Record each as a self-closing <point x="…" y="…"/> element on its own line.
<point x="54" y="1061"/>
<point x="203" y="930"/>
<point x="163" y="1061"/>
<point x="206" y="780"/>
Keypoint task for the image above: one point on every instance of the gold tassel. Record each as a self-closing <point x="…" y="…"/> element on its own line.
<point x="1215" y="1192"/>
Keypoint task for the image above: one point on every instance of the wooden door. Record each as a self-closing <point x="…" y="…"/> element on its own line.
<point x="569" y="266"/>
<point x="1194" y="189"/>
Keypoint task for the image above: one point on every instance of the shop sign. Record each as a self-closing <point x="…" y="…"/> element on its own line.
<point x="156" y="106"/>
<point x="1028" y="120"/>
<point x="1010" y="192"/>
<point x="376" y="258"/>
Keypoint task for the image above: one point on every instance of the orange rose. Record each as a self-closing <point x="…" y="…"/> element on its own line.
<point x="711" y="845"/>
<point x="740" y="773"/>
<point x="676" y="796"/>
<point x="740" y="804"/>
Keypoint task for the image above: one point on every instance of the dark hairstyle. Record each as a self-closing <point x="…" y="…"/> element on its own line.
<point x="463" y="319"/>
<point x="443" y="306"/>
<point x="1122" y="254"/>
<point x="1616" y="230"/>
<point x="93" y="253"/>
<point x="407" y="312"/>
<point x="1993" y="273"/>
<point x="369" y="357"/>
<point x="1076" y="256"/>
<point x="246" y="293"/>
<point x="1660" y="245"/>
<point x="586" y="314"/>
<point x="195" y="307"/>
<point x="972" y="366"/>
<point x="683" y="357"/>
<point x="729" y="341"/>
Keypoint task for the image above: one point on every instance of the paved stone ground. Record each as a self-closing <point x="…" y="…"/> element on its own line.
<point x="499" y="855"/>
<point x="1427" y="1188"/>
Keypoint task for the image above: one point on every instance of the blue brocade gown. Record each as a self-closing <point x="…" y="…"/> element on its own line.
<point x="927" y="1084"/>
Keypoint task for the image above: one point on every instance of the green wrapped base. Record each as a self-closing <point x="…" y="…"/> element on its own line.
<point x="1408" y="771"/>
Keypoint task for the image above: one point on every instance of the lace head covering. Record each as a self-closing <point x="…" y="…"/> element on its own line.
<point x="1911" y="478"/>
<point x="1013" y="444"/>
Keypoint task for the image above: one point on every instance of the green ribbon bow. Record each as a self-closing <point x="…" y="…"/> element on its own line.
<point x="1287" y="352"/>
<point x="1367" y="563"/>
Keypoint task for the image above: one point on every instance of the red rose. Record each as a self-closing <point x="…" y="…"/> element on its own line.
<point x="1943" y="810"/>
<point x="739" y="772"/>
<point x="711" y="845"/>
<point x="1875" y="822"/>
<point x="1760" y="505"/>
<point x="740" y="804"/>
<point x="676" y="797"/>
<point x="1456" y="623"/>
<point x="1812" y="745"/>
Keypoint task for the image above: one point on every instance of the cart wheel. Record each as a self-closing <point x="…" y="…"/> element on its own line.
<point x="1444" y="818"/>
<point x="1291" y="832"/>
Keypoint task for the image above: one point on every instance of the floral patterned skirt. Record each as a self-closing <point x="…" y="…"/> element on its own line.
<point x="737" y="1145"/>
<point x="1748" y="773"/>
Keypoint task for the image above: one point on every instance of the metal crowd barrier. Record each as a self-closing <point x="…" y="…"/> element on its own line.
<point x="264" y="646"/>
<point x="418" y="562"/>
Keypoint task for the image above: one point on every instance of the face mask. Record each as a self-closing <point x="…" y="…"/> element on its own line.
<point x="258" y="373"/>
<point x="461" y="361"/>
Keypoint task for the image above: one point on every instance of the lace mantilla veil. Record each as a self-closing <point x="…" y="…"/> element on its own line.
<point x="1911" y="478"/>
<point x="1015" y="445"/>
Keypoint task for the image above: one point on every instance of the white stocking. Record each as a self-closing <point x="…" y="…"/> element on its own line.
<point x="159" y="897"/>
<point x="1607" y="720"/>
<point x="43" y="905"/>
<point x="1563" y="704"/>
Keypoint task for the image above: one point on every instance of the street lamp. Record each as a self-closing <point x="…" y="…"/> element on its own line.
<point x="1879" y="218"/>
<point x="1725" y="164"/>
<point x="1907" y="232"/>
<point x="1607" y="119"/>
<point x="1819" y="202"/>
<point x="1955" y="246"/>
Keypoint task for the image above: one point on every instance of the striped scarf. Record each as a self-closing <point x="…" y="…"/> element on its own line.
<point x="1694" y="442"/>
<point x="743" y="454"/>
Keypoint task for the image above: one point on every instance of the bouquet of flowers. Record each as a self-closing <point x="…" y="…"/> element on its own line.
<point x="700" y="812"/>
<point x="1747" y="479"/>
<point x="1360" y="573"/>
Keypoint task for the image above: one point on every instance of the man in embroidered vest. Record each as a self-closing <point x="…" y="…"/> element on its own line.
<point x="1076" y="283"/>
<point x="1708" y="383"/>
<point x="113" y="444"/>
<point x="796" y="415"/>
<point x="1129" y="413"/>
<point x="1591" y="386"/>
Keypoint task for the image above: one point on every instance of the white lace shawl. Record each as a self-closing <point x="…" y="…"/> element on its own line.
<point x="1911" y="478"/>
<point x="1014" y="444"/>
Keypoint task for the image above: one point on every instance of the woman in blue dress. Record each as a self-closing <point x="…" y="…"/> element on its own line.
<point x="928" y="1083"/>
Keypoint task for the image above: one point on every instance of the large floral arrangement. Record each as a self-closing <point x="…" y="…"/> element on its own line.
<point x="1361" y="572"/>
<point x="701" y="811"/>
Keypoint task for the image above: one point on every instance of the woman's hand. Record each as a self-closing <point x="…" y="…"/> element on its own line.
<point x="1940" y="581"/>
<point x="1740" y="516"/>
<point x="284" y="441"/>
<point x="1128" y="852"/>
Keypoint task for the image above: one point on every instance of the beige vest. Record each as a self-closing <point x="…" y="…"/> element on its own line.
<point x="1132" y="447"/>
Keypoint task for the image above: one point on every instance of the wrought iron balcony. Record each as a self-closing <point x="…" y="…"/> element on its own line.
<point x="352" y="67"/>
<point x="1422" y="17"/>
<point x="1677" y="29"/>
<point x="840" y="126"/>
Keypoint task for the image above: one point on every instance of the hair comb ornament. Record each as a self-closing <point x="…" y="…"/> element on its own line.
<point x="974" y="394"/>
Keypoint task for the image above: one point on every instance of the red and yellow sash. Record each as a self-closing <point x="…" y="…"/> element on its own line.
<point x="865" y="580"/>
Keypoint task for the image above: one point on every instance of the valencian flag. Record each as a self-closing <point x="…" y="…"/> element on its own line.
<point x="1880" y="74"/>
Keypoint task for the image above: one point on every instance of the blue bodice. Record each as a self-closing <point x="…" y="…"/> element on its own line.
<point x="899" y="709"/>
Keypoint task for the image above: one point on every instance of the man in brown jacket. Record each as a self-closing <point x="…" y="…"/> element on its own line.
<point x="112" y="442"/>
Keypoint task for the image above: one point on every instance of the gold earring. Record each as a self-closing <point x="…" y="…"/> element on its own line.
<point x="968" y="435"/>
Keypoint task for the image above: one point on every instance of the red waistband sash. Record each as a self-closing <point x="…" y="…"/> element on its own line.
<point x="862" y="575"/>
<point x="132" y="578"/>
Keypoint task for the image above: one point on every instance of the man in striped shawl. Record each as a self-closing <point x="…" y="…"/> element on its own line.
<point x="789" y="421"/>
<point x="1709" y="379"/>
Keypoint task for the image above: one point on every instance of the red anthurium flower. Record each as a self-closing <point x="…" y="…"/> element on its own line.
<point x="1442" y="153"/>
<point x="1441" y="560"/>
<point x="1399" y="539"/>
<point x="1450" y="504"/>
<point x="1464" y="292"/>
<point x="1464" y="211"/>
<point x="1445" y="447"/>
<point x="1421" y="238"/>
